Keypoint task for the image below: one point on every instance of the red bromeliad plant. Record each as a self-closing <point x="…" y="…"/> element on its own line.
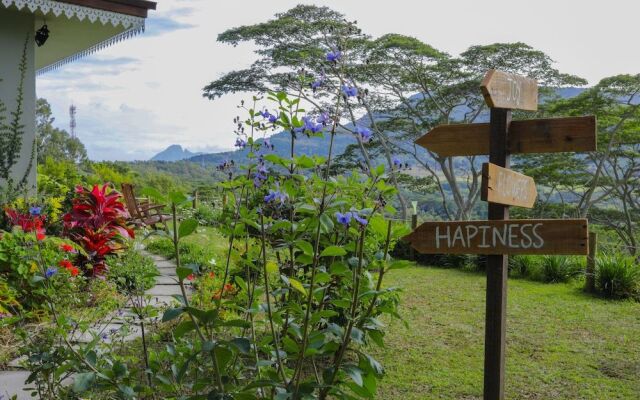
<point x="97" y="222"/>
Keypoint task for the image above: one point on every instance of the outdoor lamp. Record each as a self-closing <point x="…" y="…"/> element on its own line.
<point x="42" y="35"/>
<point x="414" y="204"/>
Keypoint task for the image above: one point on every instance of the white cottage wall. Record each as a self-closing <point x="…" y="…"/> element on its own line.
<point x="14" y="28"/>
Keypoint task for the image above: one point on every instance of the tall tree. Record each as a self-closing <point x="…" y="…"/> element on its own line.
<point x="405" y="86"/>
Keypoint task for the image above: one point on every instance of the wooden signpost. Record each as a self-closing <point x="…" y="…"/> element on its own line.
<point x="515" y="236"/>
<point x="502" y="188"/>
<point x="551" y="135"/>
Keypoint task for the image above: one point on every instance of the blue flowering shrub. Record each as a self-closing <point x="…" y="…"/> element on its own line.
<point x="295" y="303"/>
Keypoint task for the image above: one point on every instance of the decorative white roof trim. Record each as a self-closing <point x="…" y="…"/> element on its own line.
<point x="80" y="12"/>
<point x="115" y="39"/>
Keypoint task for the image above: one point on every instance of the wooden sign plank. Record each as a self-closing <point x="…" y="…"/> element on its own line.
<point x="504" y="90"/>
<point x="516" y="236"/>
<point x="503" y="186"/>
<point x="550" y="135"/>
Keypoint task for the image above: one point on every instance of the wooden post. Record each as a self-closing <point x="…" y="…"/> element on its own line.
<point x="195" y="199"/>
<point x="496" y="311"/>
<point x="590" y="284"/>
<point x="414" y="225"/>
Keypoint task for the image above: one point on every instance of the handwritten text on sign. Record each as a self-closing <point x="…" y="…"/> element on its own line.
<point x="504" y="186"/>
<point x="504" y="90"/>
<point x="567" y="236"/>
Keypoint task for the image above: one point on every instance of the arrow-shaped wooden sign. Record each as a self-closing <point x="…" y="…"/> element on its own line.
<point x="504" y="186"/>
<point x="550" y="135"/>
<point x="516" y="236"/>
<point x="504" y="90"/>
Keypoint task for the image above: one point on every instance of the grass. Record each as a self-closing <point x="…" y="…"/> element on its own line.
<point x="561" y="343"/>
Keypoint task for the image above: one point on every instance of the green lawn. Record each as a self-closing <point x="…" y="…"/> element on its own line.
<point x="561" y="343"/>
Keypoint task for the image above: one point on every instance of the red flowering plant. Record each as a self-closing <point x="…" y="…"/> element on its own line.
<point x="98" y="223"/>
<point x="33" y="221"/>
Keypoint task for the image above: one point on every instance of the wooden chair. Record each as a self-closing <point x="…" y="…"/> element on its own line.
<point x="142" y="211"/>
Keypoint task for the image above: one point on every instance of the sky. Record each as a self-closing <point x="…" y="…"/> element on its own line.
<point x="139" y="96"/>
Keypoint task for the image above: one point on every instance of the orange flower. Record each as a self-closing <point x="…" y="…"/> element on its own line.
<point x="40" y="236"/>
<point x="66" y="247"/>
<point x="212" y="275"/>
<point x="66" y="264"/>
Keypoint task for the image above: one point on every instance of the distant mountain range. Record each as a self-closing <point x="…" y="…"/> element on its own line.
<point x="175" y="152"/>
<point x="281" y="141"/>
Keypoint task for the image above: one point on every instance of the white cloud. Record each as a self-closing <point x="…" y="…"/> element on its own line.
<point x="144" y="94"/>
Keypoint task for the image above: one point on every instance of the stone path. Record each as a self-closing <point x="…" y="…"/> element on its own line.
<point x="12" y="381"/>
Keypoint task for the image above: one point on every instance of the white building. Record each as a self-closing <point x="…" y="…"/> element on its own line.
<point x="72" y="29"/>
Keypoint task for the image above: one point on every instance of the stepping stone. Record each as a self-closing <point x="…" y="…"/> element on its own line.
<point x="13" y="382"/>
<point x="165" y="264"/>
<point x="16" y="363"/>
<point x="166" y="280"/>
<point x="163" y="301"/>
<point x="164" y="290"/>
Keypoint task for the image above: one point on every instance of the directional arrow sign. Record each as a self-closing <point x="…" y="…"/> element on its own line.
<point x="550" y="135"/>
<point x="504" y="90"/>
<point x="504" y="186"/>
<point x="516" y="236"/>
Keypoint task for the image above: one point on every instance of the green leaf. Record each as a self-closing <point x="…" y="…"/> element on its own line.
<point x="272" y="267"/>
<point x="178" y="198"/>
<point x="154" y="194"/>
<point x="83" y="381"/>
<point x="187" y="227"/>
<point x="172" y="313"/>
<point x="333" y="251"/>
<point x="297" y="286"/>
<point x="326" y="223"/>
<point x="243" y="345"/>
<point x="183" y="272"/>
<point x="223" y="355"/>
<point x="183" y="328"/>
<point x="355" y="373"/>
<point x="305" y="246"/>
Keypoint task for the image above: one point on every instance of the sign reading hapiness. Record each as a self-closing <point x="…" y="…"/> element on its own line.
<point x="517" y="236"/>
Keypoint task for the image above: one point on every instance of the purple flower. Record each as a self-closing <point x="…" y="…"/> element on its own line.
<point x="365" y="133"/>
<point x="51" y="271"/>
<point x="35" y="211"/>
<point x="349" y="91"/>
<point x="323" y="119"/>
<point x="361" y="220"/>
<point x="265" y="114"/>
<point x="334" y="56"/>
<point x="309" y="125"/>
<point x="345" y="218"/>
<point x="240" y="143"/>
<point x="273" y="118"/>
<point x="396" y="162"/>
<point x="275" y="196"/>
<point x="316" y="84"/>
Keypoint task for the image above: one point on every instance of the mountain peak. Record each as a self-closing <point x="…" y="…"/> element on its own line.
<point x="175" y="152"/>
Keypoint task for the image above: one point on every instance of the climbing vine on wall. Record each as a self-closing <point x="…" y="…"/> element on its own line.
<point x="12" y="131"/>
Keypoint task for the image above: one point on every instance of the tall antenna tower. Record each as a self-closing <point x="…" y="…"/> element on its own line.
<point x="72" y="119"/>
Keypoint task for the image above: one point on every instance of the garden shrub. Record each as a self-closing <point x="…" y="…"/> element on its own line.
<point x="98" y="221"/>
<point x="524" y="265"/>
<point x="555" y="269"/>
<point x="132" y="271"/>
<point x="617" y="276"/>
